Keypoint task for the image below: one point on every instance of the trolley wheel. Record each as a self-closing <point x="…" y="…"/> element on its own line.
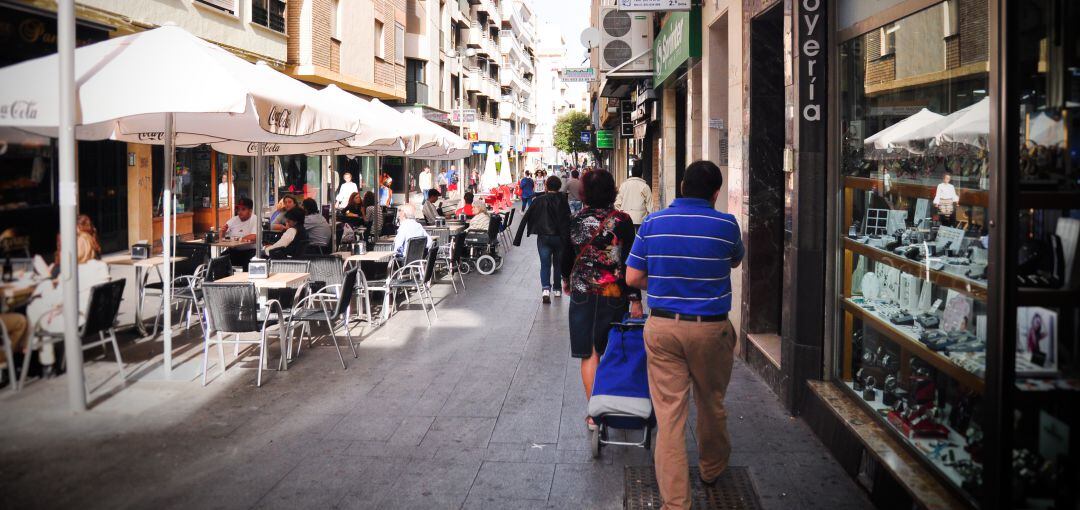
<point x="486" y="264"/>
<point x="594" y="441"/>
<point x="465" y="268"/>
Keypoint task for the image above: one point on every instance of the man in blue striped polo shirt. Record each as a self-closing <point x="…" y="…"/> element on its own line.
<point x="682" y="257"/>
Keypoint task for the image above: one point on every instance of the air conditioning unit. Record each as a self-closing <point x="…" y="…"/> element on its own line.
<point x="624" y="35"/>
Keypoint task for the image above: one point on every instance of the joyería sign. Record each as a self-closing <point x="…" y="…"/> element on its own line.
<point x="812" y="61"/>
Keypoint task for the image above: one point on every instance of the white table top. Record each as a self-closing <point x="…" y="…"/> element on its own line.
<point x="126" y="260"/>
<point x="371" y="256"/>
<point x="274" y="281"/>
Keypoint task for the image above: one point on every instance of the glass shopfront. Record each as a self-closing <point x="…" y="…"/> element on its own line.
<point x="913" y="250"/>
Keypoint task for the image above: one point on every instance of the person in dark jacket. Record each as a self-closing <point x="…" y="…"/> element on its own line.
<point x="549" y="218"/>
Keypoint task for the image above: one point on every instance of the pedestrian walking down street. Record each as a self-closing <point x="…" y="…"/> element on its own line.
<point x="549" y="219"/>
<point x="573" y="191"/>
<point x="682" y="257"/>
<point x="594" y="274"/>
<point x="527" y="186"/>
<point x="635" y="197"/>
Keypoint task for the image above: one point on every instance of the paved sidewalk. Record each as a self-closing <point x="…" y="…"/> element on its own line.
<point x="483" y="410"/>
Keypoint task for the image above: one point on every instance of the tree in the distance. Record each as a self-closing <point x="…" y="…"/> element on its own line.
<point x="568" y="130"/>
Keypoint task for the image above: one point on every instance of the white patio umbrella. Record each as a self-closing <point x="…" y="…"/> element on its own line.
<point x="490" y="178"/>
<point x="892" y="140"/>
<point x="930" y="135"/>
<point x="1046" y="131"/>
<point x="127" y="89"/>
<point x="504" y="168"/>
<point x="970" y="128"/>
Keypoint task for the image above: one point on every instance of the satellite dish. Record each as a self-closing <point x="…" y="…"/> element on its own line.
<point x="590" y="37"/>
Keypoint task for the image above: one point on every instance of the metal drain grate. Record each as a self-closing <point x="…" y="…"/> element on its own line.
<point x="734" y="491"/>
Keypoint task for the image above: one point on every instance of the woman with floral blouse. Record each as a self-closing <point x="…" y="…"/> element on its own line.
<point x="595" y="273"/>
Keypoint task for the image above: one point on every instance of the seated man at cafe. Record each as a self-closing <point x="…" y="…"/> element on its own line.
<point x="431" y="211"/>
<point x="318" y="230"/>
<point x="242" y="226"/>
<point x="467" y="206"/>
<point x="408" y="228"/>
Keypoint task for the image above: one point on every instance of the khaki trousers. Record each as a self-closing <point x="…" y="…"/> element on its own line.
<point x="681" y="354"/>
<point x="16" y="326"/>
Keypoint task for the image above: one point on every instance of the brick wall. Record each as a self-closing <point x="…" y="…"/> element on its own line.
<point x="292" y="29"/>
<point x="974" y="31"/>
<point x="387" y="72"/>
<point x="952" y="52"/>
<point x="879" y="69"/>
<point x="320" y="32"/>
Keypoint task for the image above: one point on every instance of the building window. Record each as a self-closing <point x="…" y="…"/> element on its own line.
<point x="380" y="41"/>
<point x="416" y="89"/>
<point x="952" y="20"/>
<point x="399" y="44"/>
<point x="335" y="19"/>
<point x="888" y="39"/>
<point x="228" y="6"/>
<point x="269" y="13"/>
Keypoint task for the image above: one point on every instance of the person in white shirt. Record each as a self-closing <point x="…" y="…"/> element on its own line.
<point x="243" y="226"/>
<point x="635" y="197"/>
<point x="347" y="189"/>
<point x="945" y="199"/>
<point x="408" y="228"/>
<point x="426" y="181"/>
<point x="287" y="245"/>
<point x="442" y="182"/>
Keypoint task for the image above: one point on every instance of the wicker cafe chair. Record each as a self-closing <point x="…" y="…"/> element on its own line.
<point x="288" y="296"/>
<point x="233" y="309"/>
<point x="98" y="329"/>
<point x="219" y="268"/>
<point x="335" y="311"/>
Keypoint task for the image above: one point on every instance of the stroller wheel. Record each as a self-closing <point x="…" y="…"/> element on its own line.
<point x="486" y="265"/>
<point x="465" y="268"/>
<point x="594" y="441"/>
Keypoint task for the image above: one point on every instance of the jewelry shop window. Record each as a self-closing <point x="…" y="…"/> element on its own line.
<point x="913" y="251"/>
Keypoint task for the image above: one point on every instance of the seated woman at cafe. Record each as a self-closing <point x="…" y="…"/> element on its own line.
<point x="371" y="220"/>
<point x="482" y="220"/>
<point x="45" y="312"/>
<point x="289" y="244"/>
<point x="277" y="218"/>
<point x="354" y="206"/>
<point x="467" y="206"/>
<point x="318" y="230"/>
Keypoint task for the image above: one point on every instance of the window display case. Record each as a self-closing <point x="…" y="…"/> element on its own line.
<point x="1042" y="300"/>
<point x="913" y="248"/>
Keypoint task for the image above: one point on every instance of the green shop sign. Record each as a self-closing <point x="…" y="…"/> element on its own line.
<point x="605" y="139"/>
<point x="679" y="40"/>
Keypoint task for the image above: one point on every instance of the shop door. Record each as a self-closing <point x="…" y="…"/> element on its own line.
<point x="103" y="191"/>
<point x="764" y="267"/>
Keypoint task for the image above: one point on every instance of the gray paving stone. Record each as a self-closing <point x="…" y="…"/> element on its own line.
<point x="459" y="431"/>
<point x="513" y="480"/>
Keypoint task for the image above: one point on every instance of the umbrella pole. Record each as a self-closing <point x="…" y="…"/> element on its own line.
<point x="376" y="224"/>
<point x="69" y="274"/>
<point x="333" y="201"/>
<point x="257" y="190"/>
<point x="166" y="242"/>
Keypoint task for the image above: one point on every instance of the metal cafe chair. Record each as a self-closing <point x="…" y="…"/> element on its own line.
<point x="233" y="309"/>
<point x="9" y="357"/>
<point x="98" y="330"/>
<point x="335" y="311"/>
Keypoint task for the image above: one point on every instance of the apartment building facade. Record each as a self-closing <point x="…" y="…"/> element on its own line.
<point x="321" y="42"/>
